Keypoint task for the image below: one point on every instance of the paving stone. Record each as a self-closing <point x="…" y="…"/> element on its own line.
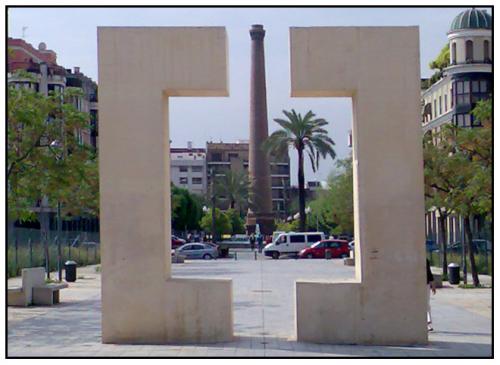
<point x="264" y="319"/>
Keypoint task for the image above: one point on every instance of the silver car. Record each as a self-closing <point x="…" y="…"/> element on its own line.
<point x="197" y="251"/>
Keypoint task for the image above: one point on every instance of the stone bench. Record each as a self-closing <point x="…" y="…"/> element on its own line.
<point x="47" y="294"/>
<point x="178" y="259"/>
<point x="34" y="290"/>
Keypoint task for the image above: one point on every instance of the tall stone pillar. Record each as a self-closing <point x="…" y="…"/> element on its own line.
<point x="260" y="197"/>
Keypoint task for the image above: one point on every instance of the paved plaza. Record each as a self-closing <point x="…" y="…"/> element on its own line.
<point x="264" y="325"/>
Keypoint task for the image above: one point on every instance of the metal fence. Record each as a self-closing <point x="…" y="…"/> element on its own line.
<point x="26" y="248"/>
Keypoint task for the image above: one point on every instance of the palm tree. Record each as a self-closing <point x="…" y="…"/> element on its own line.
<point x="234" y="186"/>
<point x="305" y="134"/>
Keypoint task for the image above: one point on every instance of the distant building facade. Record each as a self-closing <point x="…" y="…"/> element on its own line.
<point x="467" y="79"/>
<point x="222" y="157"/>
<point x="188" y="169"/>
<point x="45" y="75"/>
<point x="451" y="99"/>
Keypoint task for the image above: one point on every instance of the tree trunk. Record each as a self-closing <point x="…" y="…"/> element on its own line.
<point x="302" y="193"/>
<point x="473" y="268"/>
<point x="443" y="237"/>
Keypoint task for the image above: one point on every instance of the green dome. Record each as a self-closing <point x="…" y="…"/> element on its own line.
<point x="471" y="19"/>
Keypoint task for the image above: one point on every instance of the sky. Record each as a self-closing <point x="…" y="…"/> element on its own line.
<point x="72" y="34"/>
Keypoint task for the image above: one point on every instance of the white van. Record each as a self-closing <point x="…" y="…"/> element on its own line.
<point x="292" y="243"/>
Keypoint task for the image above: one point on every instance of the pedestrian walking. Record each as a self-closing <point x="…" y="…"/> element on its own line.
<point x="252" y="242"/>
<point x="260" y="242"/>
<point x="431" y="287"/>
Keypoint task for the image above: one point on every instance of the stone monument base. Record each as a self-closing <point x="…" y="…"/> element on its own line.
<point x="194" y="311"/>
<point x="265" y="222"/>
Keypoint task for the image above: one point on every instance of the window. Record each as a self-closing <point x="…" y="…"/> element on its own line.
<point x="277" y="193"/>
<point x="232" y="155"/>
<point x="196" y="180"/>
<point x="469" y="51"/>
<point x="483" y="86"/>
<point x="435" y="108"/>
<point x="486" y="51"/>
<point x="216" y="156"/>
<point x="440" y="105"/>
<point x="183" y="169"/>
<point x="463" y="120"/>
<point x="311" y="238"/>
<point x="475" y="86"/>
<point x="183" y="180"/>
<point x="197" y="168"/>
<point x="453" y="53"/>
<point x="445" y="103"/>
<point x="462" y="92"/>
<point x="297" y="238"/>
<point x="333" y="245"/>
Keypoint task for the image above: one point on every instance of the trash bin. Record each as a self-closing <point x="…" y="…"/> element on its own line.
<point x="70" y="271"/>
<point x="328" y="254"/>
<point x="454" y="273"/>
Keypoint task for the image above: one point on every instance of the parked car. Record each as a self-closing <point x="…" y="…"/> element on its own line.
<point x="177" y="242"/>
<point x="197" y="251"/>
<point x="338" y="248"/>
<point x="236" y="241"/>
<point x="479" y="245"/>
<point x="292" y="243"/>
<point x="351" y="245"/>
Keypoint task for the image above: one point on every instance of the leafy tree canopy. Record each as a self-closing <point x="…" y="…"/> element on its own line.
<point x="45" y="154"/>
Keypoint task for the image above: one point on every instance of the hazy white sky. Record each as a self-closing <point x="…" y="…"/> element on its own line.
<point x="72" y="34"/>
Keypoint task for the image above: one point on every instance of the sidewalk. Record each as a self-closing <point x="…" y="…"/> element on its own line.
<point x="264" y="321"/>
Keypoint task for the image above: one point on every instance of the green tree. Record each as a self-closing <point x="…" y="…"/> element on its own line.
<point x="234" y="186"/>
<point x="439" y="64"/>
<point x="442" y="60"/>
<point x="237" y="223"/>
<point x="333" y="209"/>
<point x="45" y="156"/>
<point x="306" y="135"/>
<point x="439" y="179"/>
<point x="186" y="209"/>
<point x="222" y="223"/>
<point x="458" y="169"/>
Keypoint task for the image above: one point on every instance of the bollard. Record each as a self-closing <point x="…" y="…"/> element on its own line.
<point x="255" y="254"/>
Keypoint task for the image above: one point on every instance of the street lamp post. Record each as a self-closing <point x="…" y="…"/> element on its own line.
<point x="57" y="145"/>
<point x="212" y="193"/>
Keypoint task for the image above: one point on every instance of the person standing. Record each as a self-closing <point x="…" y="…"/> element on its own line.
<point x="430" y="287"/>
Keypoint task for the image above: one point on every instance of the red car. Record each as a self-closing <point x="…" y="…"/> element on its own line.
<point x="177" y="242"/>
<point x="339" y="248"/>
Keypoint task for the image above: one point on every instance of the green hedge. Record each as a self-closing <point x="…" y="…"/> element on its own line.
<point x="483" y="261"/>
<point x="82" y="255"/>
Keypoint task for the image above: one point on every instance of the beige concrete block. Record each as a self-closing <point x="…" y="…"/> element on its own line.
<point x="378" y="67"/>
<point x="349" y="261"/>
<point x="17" y="297"/>
<point x="438" y="280"/>
<point x="201" y="311"/>
<point x="139" y="69"/>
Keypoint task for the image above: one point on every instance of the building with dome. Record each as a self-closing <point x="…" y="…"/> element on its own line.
<point x="468" y="77"/>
